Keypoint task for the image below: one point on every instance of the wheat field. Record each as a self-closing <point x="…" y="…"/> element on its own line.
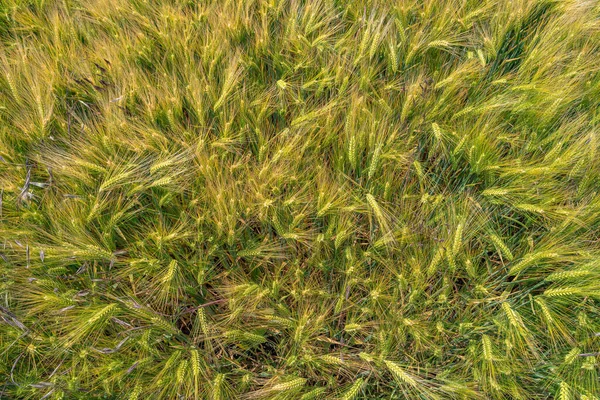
<point x="300" y="199"/>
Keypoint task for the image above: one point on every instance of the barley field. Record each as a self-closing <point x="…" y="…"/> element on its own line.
<point x="300" y="199"/>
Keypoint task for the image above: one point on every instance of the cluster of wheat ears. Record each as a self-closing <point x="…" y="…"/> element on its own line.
<point x="299" y="199"/>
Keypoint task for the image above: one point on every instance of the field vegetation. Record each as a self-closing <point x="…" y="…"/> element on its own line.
<point x="293" y="200"/>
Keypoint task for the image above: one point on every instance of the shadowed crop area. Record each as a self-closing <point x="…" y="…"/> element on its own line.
<point x="294" y="200"/>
